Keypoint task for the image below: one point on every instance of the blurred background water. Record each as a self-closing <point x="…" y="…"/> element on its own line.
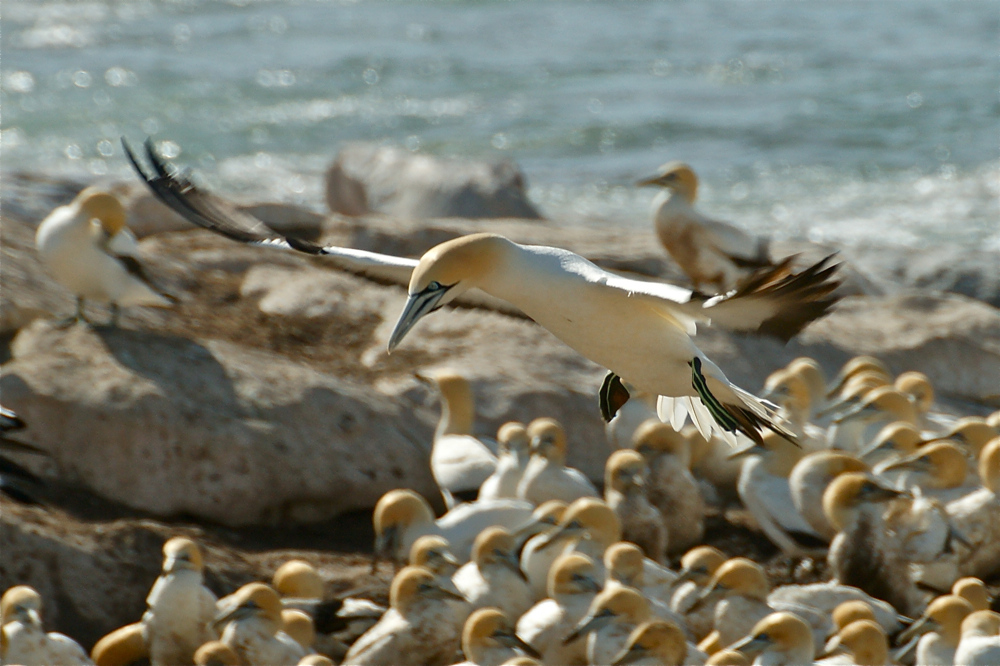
<point x="852" y="122"/>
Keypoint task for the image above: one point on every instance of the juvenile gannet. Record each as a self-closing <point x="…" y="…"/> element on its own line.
<point x="809" y="479"/>
<point x="940" y="629"/>
<point x="612" y="616"/>
<point x="514" y="451"/>
<point x="417" y="630"/>
<point x="653" y="643"/>
<point x="780" y="639"/>
<point x="87" y="248"/>
<point x="299" y="626"/>
<point x="698" y="565"/>
<point x="252" y="626"/>
<point x="572" y="585"/>
<point x="977" y="517"/>
<point x="974" y="591"/>
<point x="215" y="653"/>
<point x="494" y="577"/>
<point x="546" y="477"/>
<point x="864" y="643"/>
<point x="25" y="641"/>
<point x="714" y="254"/>
<point x="745" y="588"/>
<point x="403" y="516"/>
<point x="625" y="483"/>
<point x="672" y="488"/>
<point x="980" y="642"/>
<point x="460" y="461"/>
<point x="297" y="579"/>
<point x="489" y="639"/>
<point x="180" y="609"/>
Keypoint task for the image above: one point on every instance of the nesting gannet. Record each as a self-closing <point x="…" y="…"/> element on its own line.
<point x="980" y="642"/>
<point x="812" y="374"/>
<point x="25" y="641"/>
<point x="546" y="477"/>
<point x="879" y="407"/>
<point x="489" y="639"/>
<point x="297" y="579"/>
<point x="973" y="432"/>
<point x="864" y="643"/>
<point x="855" y="366"/>
<point x="460" y="461"/>
<point x="514" y="451"/>
<point x="974" y="591"/>
<point x="851" y="611"/>
<point x="300" y="627"/>
<point x="403" y="516"/>
<point x="572" y="585"/>
<point x="653" y="643"/>
<point x="87" y="248"/>
<point x="977" y="517"/>
<point x="625" y="567"/>
<point x="745" y="587"/>
<point x="939" y="629"/>
<point x="698" y="565"/>
<point x="417" y="629"/>
<point x="893" y="441"/>
<point x="252" y="626"/>
<point x="935" y="466"/>
<point x="715" y="255"/>
<point x="612" y="616"/>
<point x="215" y="653"/>
<point x="809" y="479"/>
<point x="672" y="488"/>
<point x="917" y="386"/>
<point x="625" y="481"/>
<point x="433" y="553"/>
<point x="829" y="606"/>
<point x="780" y="639"/>
<point x="180" y="609"/>
<point x="494" y="577"/>
<point x="862" y="554"/>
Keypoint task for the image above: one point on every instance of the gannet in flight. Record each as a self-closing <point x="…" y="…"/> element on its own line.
<point x="715" y="255"/>
<point x="639" y="330"/>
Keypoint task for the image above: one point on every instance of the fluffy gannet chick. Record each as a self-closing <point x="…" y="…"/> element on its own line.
<point x="940" y="629"/>
<point x="215" y="653"/>
<point x="673" y="490"/>
<point x="87" y="248"/>
<point x="460" y="461"/>
<point x="977" y="517"/>
<point x="862" y="554"/>
<point x="572" y="586"/>
<point x="514" y="454"/>
<point x="588" y="526"/>
<point x="766" y="492"/>
<point x="625" y="481"/>
<point x="417" y="630"/>
<point x="809" y="480"/>
<point x="180" y="609"/>
<point x="715" y="255"/>
<point x="780" y="639"/>
<point x="252" y="626"/>
<point x="745" y="587"/>
<point x="861" y="642"/>
<point x="625" y="566"/>
<point x="612" y="616"/>
<point x="697" y="568"/>
<point x="25" y="641"/>
<point x="980" y="642"/>
<point x="546" y="476"/>
<point x="494" y="577"/>
<point x="403" y="516"/>
<point x="489" y="639"/>
<point x="974" y="591"/>
<point x="653" y="643"/>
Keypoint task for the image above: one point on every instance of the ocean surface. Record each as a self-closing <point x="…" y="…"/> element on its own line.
<point x="851" y="122"/>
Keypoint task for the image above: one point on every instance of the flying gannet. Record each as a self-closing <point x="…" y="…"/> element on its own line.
<point x="639" y="330"/>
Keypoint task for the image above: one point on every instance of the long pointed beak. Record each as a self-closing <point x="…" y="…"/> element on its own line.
<point x="588" y="624"/>
<point x="852" y="412"/>
<point x="629" y="656"/>
<point x="512" y="640"/>
<point x="439" y="592"/>
<point x="645" y="182"/>
<point x="512" y="562"/>
<point x="750" y="645"/>
<point x="917" y="629"/>
<point x="234" y="613"/>
<point x="417" y="305"/>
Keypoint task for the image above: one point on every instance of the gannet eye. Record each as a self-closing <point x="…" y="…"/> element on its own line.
<point x="434" y="286"/>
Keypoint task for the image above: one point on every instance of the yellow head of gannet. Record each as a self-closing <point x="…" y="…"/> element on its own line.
<point x="700" y="563"/>
<point x="851" y="611"/>
<point x="882" y="402"/>
<point x="625" y="471"/>
<point x="298" y="579"/>
<point x="943" y="615"/>
<point x="316" y="660"/>
<point x="656" y="641"/>
<point x="653" y="438"/>
<point x="513" y="437"/>
<point x="611" y="605"/>
<point x="573" y="573"/>
<point x="488" y="630"/>
<point x="676" y="177"/>
<point x="902" y="437"/>
<point x="457" y="405"/>
<point x="843" y="498"/>
<point x="728" y="658"/>
<point x="124" y="645"/>
<point x="102" y="208"/>
<point x="495" y="545"/>
<point x="994" y="419"/>
<point x="779" y="453"/>
<point x="853" y="367"/>
<point x="253" y="600"/>
<point x="299" y="626"/>
<point x="791" y="391"/>
<point x="396" y="511"/>
<point x="740" y="576"/>
<point x="434" y="553"/>
<point x="21" y="603"/>
<point x="411" y="585"/>
<point x="181" y="553"/>
<point x="811" y="372"/>
<point x="972" y="590"/>
<point x="216" y="653"/>
<point x="940" y="465"/>
<point x="546" y="516"/>
<point x="590" y="518"/>
<point x="548" y="439"/>
<point x="624" y="562"/>
<point x="980" y="643"/>
<point x="972" y="431"/>
<point x="781" y="634"/>
<point x="865" y="640"/>
<point x="858" y="386"/>
<point x="918" y="387"/>
<point x="989" y="466"/>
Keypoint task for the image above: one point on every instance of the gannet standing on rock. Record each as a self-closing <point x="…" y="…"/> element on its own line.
<point x="514" y="452"/>
<point x="714" y="254"/>
<point x="25" y="641"/>
<point x="87" y="248"/>
<point x="625" y="485"/>
<point x="546" y="477"/>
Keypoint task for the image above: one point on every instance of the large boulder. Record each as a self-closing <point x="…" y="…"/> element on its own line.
<point x="368" y="178"/>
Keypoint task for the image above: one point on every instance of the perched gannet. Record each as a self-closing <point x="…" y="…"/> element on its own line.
<point x="672" y="488"/>
<point x="215" y="653"/>
<point x="653" y="643"/>
<point x="649" y="346"/>
<point x="514" y="451"/>
<point x="940" y="629"/>
<point x="810" y="478"/>
<point x="974" y="591"/>
<point x="697" y="568"/>
<point x="780" y="639"/>
<point x="87" y="248"/>
<point x="980" y="642"/>
<point x="572" y="585"/>
<point x="625" y="567"/>
<point x="297" y="579"/>
<point x="612" y="616"/>
<point x="180" y="609"/>
<point x="402" y="516"/>
<point x="745" y="587"/>
<point x="416" y="630"/>
<point x="489" y="639"/>
<point x="460" y="461"/>
<point x="715" y="255"/>
<point x="25" y="641"/>
<point x="625" y="482"/>
<point x="864" y="643"/>
<point x="977" y="517"/>
<point x="494" y="577"/>
<point x="546" y="477"/>
<point x="862" y="554"/>
<point x="252" y="626"/>
<point x="300" y="627"/>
